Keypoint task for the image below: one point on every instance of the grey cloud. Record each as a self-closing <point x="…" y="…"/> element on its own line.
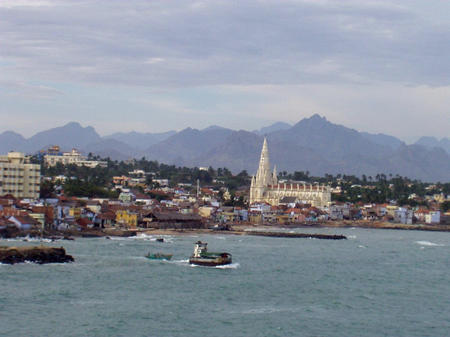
<point x="223" y="42"/>
<point x="28" y="90"/>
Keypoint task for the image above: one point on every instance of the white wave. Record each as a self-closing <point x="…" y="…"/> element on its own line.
<point x="229" y="266"/>
<point x="268" y="310"/>
<point x="29" y="239"/>
<point x="144" y="236"/>
<point x="361" y="246"/>
<point x="351" y="237"/>
<point x="148" y="237"/>
<point x="117" y="238"/>
<point x="226" y="266"/>
<point x="179" y="261"/>
<point x="430" y="244"/>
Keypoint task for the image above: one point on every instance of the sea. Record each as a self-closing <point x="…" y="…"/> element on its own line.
<point x="375" y="283"/>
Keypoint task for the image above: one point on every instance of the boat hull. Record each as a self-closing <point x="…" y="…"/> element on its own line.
<point x="211" y="261"/>
<point x="159" y="257"/>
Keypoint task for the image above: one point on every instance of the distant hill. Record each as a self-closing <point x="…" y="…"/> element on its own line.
<point x="313" y="144"/>
<point x="71" y="135"/>
<point x="11" y="141"/>
<point x="382" y="139"/>
<point x="111" y="148"/>
<point x="431" y="142"/>
<point x="140" y="140"/>
<point x="187" y="144"/>
<point x="278" y="126"/>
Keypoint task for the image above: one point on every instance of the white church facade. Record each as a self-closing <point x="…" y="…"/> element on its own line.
<point x="266" y="188"/>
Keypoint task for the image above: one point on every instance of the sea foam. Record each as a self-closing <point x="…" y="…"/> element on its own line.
<point x="428" y="243"/>
<point x="229" y="266"/>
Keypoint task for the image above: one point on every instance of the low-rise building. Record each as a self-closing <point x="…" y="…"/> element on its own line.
<point x="433" y="217"/>
<point x="127" y="218"/>
<point x="74" y="157"/>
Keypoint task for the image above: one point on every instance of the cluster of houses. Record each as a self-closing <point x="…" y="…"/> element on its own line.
<point x="148" y="202"/>
<point x="181" y="208"/>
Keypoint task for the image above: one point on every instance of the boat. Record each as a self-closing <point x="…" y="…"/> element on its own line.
<point x="158" y="256"/>
<point x="202" y="257"/>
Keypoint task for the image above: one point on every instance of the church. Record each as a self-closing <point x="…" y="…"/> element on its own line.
<point x="265" y="187"/>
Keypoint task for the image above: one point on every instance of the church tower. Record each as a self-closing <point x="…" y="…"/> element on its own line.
<point x="263" y="177"/>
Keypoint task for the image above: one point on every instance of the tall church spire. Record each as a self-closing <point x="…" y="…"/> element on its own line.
<point x="264" y="176"/>
<point x="274" y="176"/>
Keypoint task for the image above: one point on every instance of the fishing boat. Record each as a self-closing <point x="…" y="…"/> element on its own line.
<point x="202" y="257"/>
<point x="158" y="256"/>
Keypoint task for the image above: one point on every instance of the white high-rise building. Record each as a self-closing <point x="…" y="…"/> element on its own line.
<point x="19" y="177"/>
<point x="265" y="187"/>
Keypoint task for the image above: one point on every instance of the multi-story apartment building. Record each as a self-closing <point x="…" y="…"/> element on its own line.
<point x="19" y="177"/>
<point x="73" y="157"/>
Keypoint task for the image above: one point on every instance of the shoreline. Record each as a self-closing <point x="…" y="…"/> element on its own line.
<point x="233" y="229"/>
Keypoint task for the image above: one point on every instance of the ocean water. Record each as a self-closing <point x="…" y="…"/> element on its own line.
<point x="376" y="283"/>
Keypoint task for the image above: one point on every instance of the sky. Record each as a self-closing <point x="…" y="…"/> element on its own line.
<point x="153" y="66"/>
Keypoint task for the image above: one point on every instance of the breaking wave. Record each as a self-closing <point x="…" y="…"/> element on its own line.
<point x="141" y="236"/>
<point x="30" y="239"/>
<point x="430" y="244"/>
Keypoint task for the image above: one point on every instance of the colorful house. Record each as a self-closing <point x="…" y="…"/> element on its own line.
<point x="127" y="218"/>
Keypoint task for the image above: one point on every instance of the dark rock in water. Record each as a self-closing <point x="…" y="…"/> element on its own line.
<point x="297" y="235"/>
<point x="160" y="239"/>
<point x="40" y="255"/>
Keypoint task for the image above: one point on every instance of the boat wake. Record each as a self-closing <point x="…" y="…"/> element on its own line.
<point x="229" y="266"/>
<point x="430" y="244"/>
<point x="179" y="262"/>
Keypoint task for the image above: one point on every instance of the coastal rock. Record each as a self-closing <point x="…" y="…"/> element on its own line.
<point x="40" y="255"/>
<point x="297" y="235"/>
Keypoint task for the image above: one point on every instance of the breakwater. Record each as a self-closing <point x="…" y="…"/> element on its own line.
<point x="296" y="235"/>
<point x="40" y="255"/>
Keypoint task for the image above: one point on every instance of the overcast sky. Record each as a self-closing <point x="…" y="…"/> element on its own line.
<point x="376" y="66"/>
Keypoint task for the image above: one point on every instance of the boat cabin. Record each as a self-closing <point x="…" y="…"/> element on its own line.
<point x="200" y="248"/>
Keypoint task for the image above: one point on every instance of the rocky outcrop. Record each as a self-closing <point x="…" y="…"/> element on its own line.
<point x="296" y="235"/>
<point x="40" y="255"/>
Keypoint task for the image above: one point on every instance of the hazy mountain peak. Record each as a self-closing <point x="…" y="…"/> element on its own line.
<point x="277" y="126"/>
<point x="10" y="133"/>
<point x="431" y="142"/>
<point x="213" y="127"/>
<point x="72" y="125"/>
<point x="317" y="117"/>
<point x="314" y="121"/>
<point x="68" y="136"/>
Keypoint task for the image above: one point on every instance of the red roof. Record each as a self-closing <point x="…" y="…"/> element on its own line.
<point x="83" y="222"/>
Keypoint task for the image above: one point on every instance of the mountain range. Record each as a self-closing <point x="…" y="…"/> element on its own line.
<point x="313" y="144"/>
